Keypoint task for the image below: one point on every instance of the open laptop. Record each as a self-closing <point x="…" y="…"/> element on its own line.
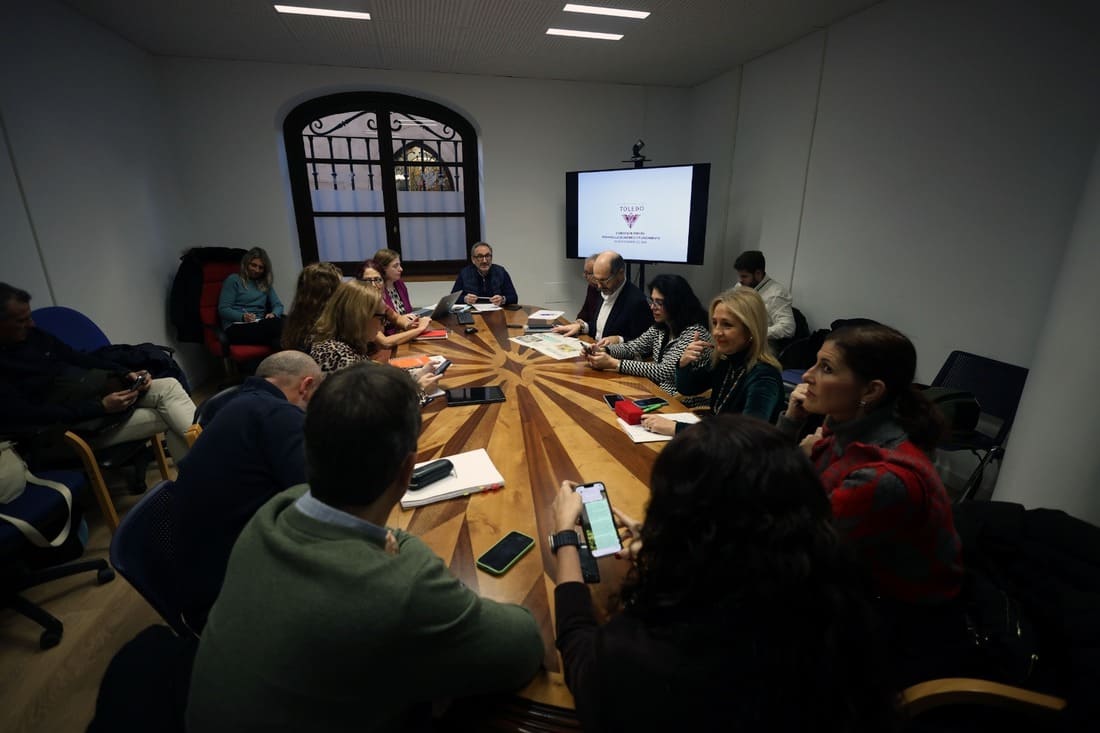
<point x="442" y="308"/>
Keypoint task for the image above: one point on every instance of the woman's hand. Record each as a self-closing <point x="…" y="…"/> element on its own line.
<point x="808" y="443"/>
<point x="608" y="340"/>
<point x="407" y="323"/>
<point x="603" y="360"/>
<point x="248" y="317"/>
<point x="630" y="535"/>
<point x="567" y="507"/>
<point x="694" y="352"/>
<point x="659" y="425"/>
<point x="795" y="410"/>
<point x="269" y="315"/>
<point x="421" y="325"/>
<point x="427" y="379"/>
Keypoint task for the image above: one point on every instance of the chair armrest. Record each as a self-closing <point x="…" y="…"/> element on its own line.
<point x="964" y="690"/>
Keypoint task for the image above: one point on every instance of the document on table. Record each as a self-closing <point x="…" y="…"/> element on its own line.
<point x="545" y="315"/>
<point x="640" y="435"/>
<point x="485" y="307"/>
<point x="553" y="345"/>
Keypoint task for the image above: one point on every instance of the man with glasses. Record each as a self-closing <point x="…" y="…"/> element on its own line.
<point x="483" y="280"/>
<point x="623" y="310"/>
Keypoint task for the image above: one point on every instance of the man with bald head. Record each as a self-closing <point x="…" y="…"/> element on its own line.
<point x="251" y="450"/>
<point x="623" y="310"/>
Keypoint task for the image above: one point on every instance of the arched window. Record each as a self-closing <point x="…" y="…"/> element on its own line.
<point x="371" y="170"/>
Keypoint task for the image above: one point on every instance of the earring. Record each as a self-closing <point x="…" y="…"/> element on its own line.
<point x="863" y="403"/>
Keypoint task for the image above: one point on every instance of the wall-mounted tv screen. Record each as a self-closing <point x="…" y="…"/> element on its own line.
<point x="656" y="214"/>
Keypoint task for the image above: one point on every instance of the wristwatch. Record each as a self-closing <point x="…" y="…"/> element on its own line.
<point x="563" y="539"/>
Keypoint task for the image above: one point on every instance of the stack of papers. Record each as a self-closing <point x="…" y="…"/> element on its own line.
<point x="545" y="315"/>
<point x="485" y="307"/>
<point x="474" y="472"/>
<point x="640" y="435"/>
<point x="553" y="345"/>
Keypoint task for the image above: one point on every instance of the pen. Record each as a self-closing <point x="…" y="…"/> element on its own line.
<point x="652" y="408"/>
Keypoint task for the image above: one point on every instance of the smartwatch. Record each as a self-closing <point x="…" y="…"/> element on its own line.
<point x="563" y="539"/>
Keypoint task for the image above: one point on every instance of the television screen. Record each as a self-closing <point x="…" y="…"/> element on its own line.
<point x="656" y="214"/>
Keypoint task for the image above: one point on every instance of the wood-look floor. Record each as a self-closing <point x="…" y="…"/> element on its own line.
<point x="54" y="690"/>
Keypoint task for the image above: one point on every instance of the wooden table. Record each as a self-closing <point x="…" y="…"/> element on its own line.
<point x="554" y="425"/>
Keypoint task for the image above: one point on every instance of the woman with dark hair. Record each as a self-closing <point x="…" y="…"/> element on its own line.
<point x="394" y="293"/>
<point x="249" y="308"/>
<point x="316" y="284"/>
<point x="678" y="318"/>
<point x="743" y="605"/>
<point x="887" y="499"/>
<point x="740" y="371"/>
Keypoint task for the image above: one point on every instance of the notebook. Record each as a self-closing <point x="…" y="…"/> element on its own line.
<point x="473" y="473"/>
<point x="640" y="435"/>
<point x="437" y="333"/>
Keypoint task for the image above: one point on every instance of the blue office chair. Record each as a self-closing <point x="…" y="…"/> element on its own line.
<point x="997" y="386"/>
<point x="82" y="334"/>
<point x="25" y="566"/>
<point x="145" y="550"/>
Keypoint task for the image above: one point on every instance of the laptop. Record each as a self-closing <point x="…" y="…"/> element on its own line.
<point x="442" y="308"/>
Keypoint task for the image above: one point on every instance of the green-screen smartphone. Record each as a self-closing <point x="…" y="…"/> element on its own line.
<point x="505" y="553"/>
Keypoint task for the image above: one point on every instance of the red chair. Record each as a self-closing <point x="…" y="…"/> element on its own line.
<point x="214" y="275"/>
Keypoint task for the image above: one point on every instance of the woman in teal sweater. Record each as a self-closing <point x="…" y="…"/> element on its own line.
<point x="249" y="308"/>
<point x="741" y="373"/>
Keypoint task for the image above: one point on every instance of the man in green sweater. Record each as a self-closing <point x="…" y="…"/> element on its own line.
<point x="328" y="620"/>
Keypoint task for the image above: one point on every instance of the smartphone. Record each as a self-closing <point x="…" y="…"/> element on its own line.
<point x="653" y="402"/>
<point x="505" y="553"/>
<point x="611" y="399"/>
<point x="590" y="571"/>
<point x="597" y="520"/>
<point x="443" y="365"/>
<point x="138" y="383"/>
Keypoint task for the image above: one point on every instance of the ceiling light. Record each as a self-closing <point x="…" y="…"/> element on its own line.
<point x="584" y="34"/>
<point x="295" y="10"/>
<point x="597" y="10"/>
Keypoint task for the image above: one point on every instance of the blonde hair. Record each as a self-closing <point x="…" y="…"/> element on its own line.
<point x="747" y="306"/>
<point x="316" y="284"/>
<point x="347" y="315"/>
<point x="257" y="253"/>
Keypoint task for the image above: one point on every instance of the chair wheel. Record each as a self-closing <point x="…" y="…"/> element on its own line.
<point x="106" y="575"/>
<point x="49" y="639"/>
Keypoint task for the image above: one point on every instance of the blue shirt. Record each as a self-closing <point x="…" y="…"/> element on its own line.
<point x="497" y="282"/>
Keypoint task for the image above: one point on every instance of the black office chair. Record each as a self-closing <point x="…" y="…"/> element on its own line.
<point x="22" y="565"/>
<point x="997" y="386"/>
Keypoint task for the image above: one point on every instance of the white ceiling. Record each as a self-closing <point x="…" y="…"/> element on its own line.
<point x="683" y="42"/>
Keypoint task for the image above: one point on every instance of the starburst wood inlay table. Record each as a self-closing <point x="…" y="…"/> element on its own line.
<point x="553" y="425"/>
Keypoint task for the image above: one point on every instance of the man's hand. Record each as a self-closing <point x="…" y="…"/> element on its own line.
<point x="133" y="377"/>
<point x="795" y="410"/>
<point x="568" y="329"/>
<point x="659" y="425"/>
<point x="470" y="298"/>
<point x="119" y="401"/>
<point x="497" y="300"/>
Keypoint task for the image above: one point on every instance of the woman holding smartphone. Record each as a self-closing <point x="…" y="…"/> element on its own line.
<point x="346" y="330"/>
<point x="743" y="605"/>
<point x="736" y="365"/>
<point x="679" y="319"/>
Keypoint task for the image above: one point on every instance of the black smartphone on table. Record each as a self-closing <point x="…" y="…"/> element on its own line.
<point x="505" y="553"/>
<point x="611" y="399"/>
<point x="597" y="520"/>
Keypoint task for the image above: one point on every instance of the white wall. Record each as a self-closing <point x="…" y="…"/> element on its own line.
<point x="950" y="145"/>
<point x="82" y="115"/>
<point x="227" y="121"/>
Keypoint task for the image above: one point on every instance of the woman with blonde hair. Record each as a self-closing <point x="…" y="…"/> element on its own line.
<point x="249" y="308"/>
<point x="345" y="333"/>
<point x="741" y="373"/>
<point x="316" y="284"/>
<point x="398" y="328"/>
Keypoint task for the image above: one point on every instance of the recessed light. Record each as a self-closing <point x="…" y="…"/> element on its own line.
<point x="296" y="10"/>
<point x="584" y="34"/>
<point x="597" y="10"/>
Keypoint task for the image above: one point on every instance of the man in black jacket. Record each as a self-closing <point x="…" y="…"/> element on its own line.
<point x="623" y="311"/>
<point x="45" y="383"/>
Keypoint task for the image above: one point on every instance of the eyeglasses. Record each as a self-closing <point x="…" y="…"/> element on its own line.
<point x="381" y="318"/>
<point x="484" y="257"/>
<point x="655" y="302"/>
<point x="605" y="280"/>
<point x="373" y="280"/>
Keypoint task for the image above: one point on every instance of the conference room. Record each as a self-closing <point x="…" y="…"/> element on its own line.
<point x="931" y="165"/>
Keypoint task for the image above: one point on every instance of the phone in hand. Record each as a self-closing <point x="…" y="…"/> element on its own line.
<point x="443" y="366"/>
<point x="611" y="399"/>
<point x="138" y="383"/>
<point x="597" y="521"/>
<point x="504" y="554"/>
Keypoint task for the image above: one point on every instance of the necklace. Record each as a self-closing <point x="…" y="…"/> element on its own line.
<point x="723" y="393"/>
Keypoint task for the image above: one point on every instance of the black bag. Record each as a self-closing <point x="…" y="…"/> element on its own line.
<point x="960" y="408"/>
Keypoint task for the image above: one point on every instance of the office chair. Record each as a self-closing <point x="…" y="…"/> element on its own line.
<point x="26" y="565"/>
<point x="82" y="334"/>
<point x="205" y="412"/>
<point x="145" y="550"/>
<point x="997" y="386"/>
<point x="1010" y="703"/>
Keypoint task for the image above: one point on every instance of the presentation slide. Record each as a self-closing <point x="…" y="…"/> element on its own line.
<point x="642" y="213"/>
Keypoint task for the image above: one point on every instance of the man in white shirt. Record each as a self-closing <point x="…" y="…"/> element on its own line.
<point x="624" y="310"/>
<point x="777" y="301"/>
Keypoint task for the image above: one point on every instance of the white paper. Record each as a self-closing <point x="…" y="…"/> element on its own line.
<point x="640" y="435"/>
<point x="545" y="315"/>
<point x="485" y="307"/>
<point x="553" y="345"/>
<point x="473" y="473"/>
